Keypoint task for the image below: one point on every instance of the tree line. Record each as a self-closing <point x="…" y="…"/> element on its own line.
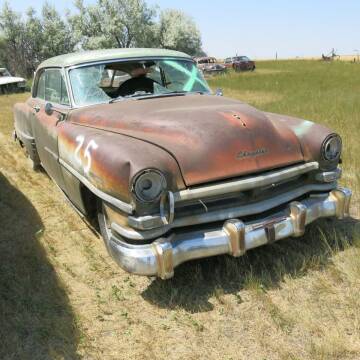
<point x="26" y="39"/>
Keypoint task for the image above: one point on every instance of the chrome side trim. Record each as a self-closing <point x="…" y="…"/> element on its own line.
<point x="234" y="238"/>
<point x="121" y="205"/>
<point x="23" y="135"/>
<point x="241" y="210"/>
<point x="55" y="156"/>
<point x="244" y="184"/>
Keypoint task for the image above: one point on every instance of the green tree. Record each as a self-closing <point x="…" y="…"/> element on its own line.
<point x="27" y="39"/>
<point x="178" y="31"/>
<point x="31" y="39"/>
<point x="113" y="23"/>
<point x="13" y="31"/>
<point x="56" y="34"/>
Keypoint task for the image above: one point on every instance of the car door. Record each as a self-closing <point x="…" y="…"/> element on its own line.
<point x="246" y="62"/>
<point x="50" y="91"/>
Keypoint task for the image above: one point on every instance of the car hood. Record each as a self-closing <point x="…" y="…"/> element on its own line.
<point x="210" y="137"/>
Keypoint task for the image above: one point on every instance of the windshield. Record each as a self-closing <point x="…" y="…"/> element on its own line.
<point x="105" y="82"/>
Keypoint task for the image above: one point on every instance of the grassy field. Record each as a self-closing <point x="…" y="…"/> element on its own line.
<point x="62" y="297"/>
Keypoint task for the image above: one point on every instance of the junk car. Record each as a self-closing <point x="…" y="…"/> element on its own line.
<point x="240" y="63"/>
<point x="172" y="171"/>
<point x="209" y="65"/>
<point x="9" y="83"/>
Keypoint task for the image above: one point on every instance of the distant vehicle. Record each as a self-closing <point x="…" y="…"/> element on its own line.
<point x="240" y="63"/>
<point x="209" y="65"/>
<point x="9" y="83"/>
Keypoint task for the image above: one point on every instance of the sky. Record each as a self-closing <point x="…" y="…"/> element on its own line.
<point x="261" y="28"/>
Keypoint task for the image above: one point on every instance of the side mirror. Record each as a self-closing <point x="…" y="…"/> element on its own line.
<point x="219" y="92"/>
<point x="49" y="109"/>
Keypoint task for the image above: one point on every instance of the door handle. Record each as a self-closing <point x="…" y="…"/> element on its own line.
<point x="36" y="108"/>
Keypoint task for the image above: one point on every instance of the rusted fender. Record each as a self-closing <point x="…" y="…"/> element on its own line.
<point x="311" y="136"/>
<point x="109" y="161"/>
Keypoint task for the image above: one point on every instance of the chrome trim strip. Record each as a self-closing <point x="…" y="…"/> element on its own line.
<point x="121" y="205"/>
<point x="208" y="217"/>
<point x="55" y="156"/>
<point x="23" y="135"/>
<point x="234" y="238"/>
<point x="244" y="184"/>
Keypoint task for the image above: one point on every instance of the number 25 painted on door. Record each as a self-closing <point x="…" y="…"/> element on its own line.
<point x="92" y="145"/>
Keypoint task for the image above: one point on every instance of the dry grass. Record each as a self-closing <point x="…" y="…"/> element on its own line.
<point x="62" y="297"/>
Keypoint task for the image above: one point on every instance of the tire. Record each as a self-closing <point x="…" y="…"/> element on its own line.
<point x="33" y="165"/>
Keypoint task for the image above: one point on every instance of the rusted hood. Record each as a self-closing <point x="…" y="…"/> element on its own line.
<point x="210" y="137"/>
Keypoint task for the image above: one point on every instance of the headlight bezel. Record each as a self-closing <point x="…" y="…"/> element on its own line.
<point x="326" y="148"/>
<point x="153" y="175"/>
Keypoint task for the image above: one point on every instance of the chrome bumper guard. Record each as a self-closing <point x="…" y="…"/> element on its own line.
<point x="234" y="237"/>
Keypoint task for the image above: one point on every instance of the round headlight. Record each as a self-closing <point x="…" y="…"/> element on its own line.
<point x="149" y="185"/>
<point x="331" y="148"/>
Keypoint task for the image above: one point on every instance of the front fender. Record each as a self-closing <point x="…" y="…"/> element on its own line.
<point x="107" y="161"/>
<point x="310" y="135"/>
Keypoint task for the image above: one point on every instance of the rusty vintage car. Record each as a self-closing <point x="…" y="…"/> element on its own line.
<point x="240" y="63"/>
<point x="210" y="66"/>
<point x="173" y="172"/>
<point x="9" y="83"/>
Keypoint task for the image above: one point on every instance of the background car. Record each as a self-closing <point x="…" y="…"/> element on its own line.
<point x="209" y="65"/>
<point x="240" y="63"/>
<point x="9" y="83"/>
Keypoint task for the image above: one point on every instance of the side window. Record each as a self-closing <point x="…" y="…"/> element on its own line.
<point x="51" y="87"/>
<point x="64" y="98"/>
<point x="40" y="93"/>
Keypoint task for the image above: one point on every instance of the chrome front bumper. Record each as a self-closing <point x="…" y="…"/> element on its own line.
<point x="234" y="237"/>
